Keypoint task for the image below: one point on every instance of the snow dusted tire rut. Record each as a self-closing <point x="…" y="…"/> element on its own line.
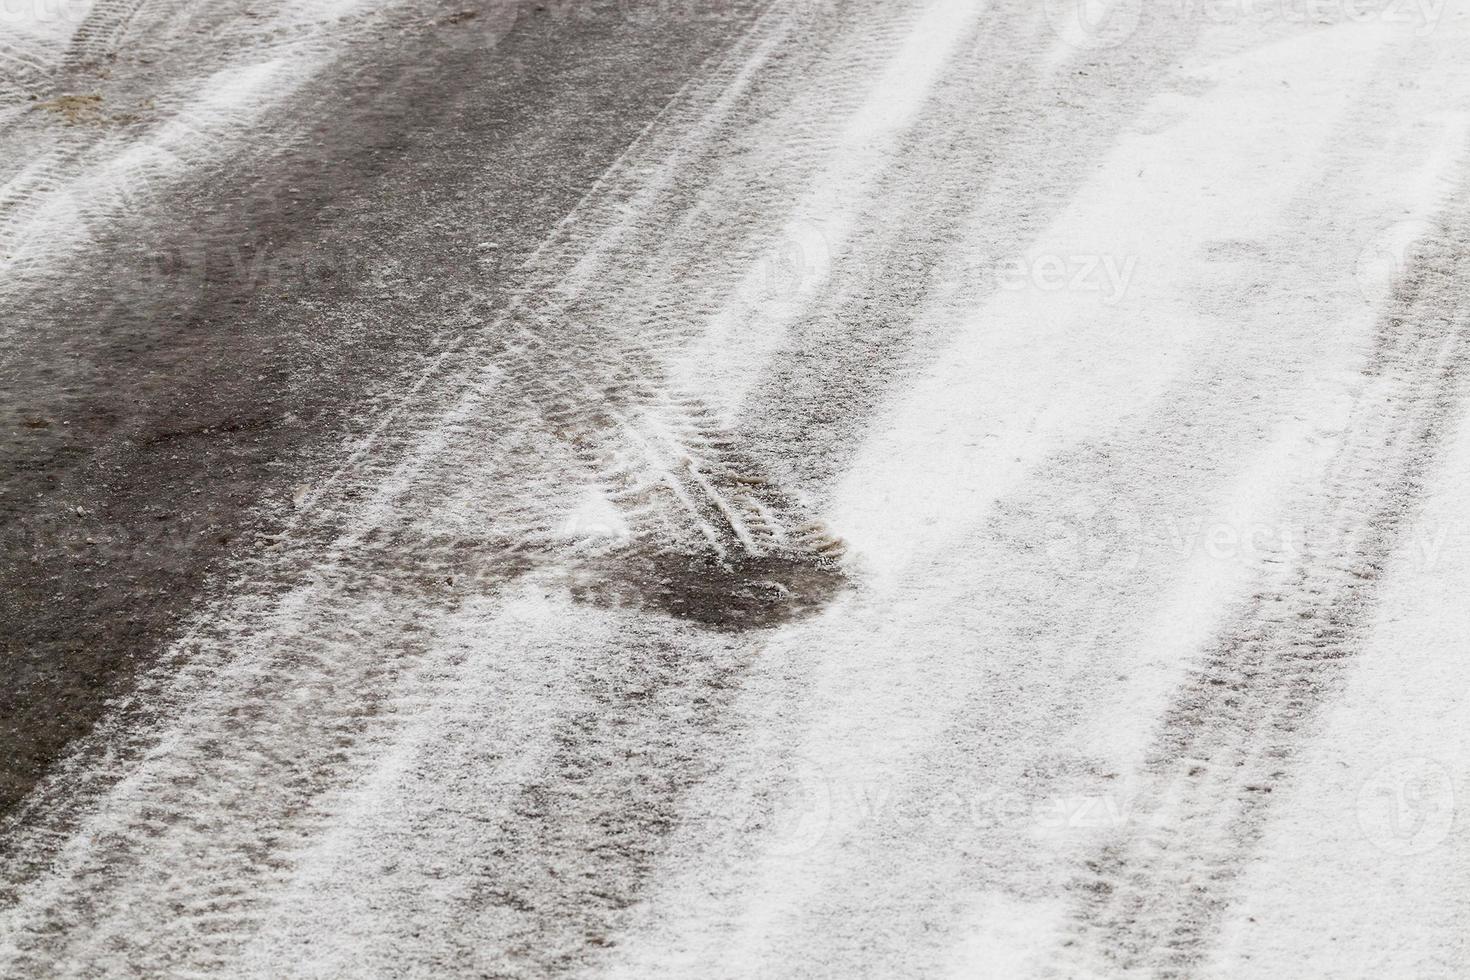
<point x="776" y="488"/>
<point x="1231" y="735"/>
<point x="690" y="524"/>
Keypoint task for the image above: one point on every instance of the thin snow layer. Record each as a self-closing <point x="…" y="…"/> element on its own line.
<point x="961" y="495"/>
<point x="94" y="143"/>
<point x="1365" y="870"/>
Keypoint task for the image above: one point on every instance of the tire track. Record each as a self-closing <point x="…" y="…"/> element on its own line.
<point x="101" y="34"/>
<point x="707" y="520"/>
<point x="1057" y="631"/>
<point x="726" y="545"/>
<point x="23" y="194"/>
<point x="546" y="373"/>
<point x="433" y="726"/>
<point x="199" y="902"/>
<point x="1153" y="901"/>
<point x="989" y="114"/>
<point x="225" y="764"/>
<point x="130" y="341"/>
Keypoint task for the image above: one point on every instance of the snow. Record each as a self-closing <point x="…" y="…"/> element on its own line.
<point x="83" y="179"/>
<point x="1091" y="488"/>
<point x="1363" y="872"/>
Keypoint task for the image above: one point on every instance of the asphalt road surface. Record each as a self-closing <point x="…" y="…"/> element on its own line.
<point x="734" y="488"/>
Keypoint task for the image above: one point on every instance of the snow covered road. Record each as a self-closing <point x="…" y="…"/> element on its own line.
<point x="804" y="489"/>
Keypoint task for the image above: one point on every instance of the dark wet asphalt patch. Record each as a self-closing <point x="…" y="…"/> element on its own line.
<point x="177" y="378"/>
<point x="735" y="593"/>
